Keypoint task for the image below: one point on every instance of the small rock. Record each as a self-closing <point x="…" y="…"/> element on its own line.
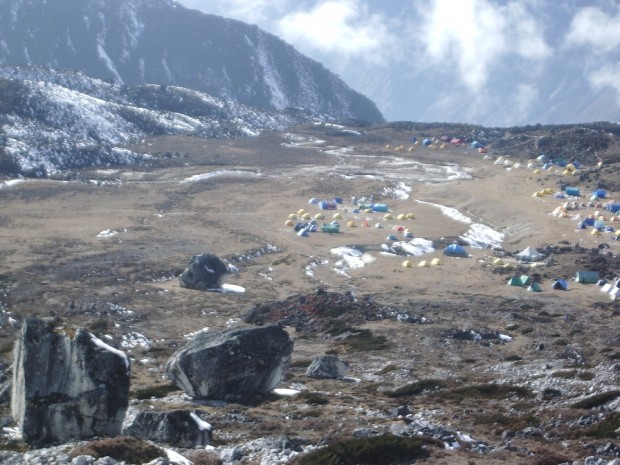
<point x="327" y="367"/>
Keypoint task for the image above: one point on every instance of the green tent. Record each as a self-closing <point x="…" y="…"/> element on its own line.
<point x="587" y="277"/>
<point x="525" y="280"/>
<point x="515" y="281"/>
<point x="534" y="287"/>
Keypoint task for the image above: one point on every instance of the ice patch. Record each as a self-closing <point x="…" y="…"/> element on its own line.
<point x="228" y="289"/>
<point x="134" y="339"/>
<point x="481" y="237"/>
<point x="286" y="392"/>
<point x="350" y="258"/>
<point x="99" y="343"/>
<point x="107" y="233"/>
<point x="478" y="235"/>
<point x="399" y="191"/>
<point x="449" y="211"/>
<point x="213" y="174"/>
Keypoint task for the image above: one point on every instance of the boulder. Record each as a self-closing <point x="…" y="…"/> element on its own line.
<point x="67" y="384"/>
<point x="232" y="364"/>
<point x="177" y="428"/>
<point x="204" y="272"/>
<point x="327" y="367"/>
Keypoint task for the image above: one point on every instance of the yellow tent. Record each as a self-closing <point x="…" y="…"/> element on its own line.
<point x="407" y="264"/>
<point x="435" y="262"/>
<point x="401" y="216"/>
<point x="292" y="216"/>
<point x="351" y="224"/>
<point x="300" y="212"/>
<point x="409" y="216"/>
<point x="319" y="216"/>
<point x="387" y="216"/>
<point x="498" y="262"/>
<point x="306" y="216"/>
<point x="423" y="263"/>
<point x="338" y="216"/>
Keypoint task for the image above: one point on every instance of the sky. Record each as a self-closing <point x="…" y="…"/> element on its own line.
<point x="398" y="52"/>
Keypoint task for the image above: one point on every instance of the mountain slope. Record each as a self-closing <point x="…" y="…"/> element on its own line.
<point x="138" y="41"/>
<point x="53" y="120"/>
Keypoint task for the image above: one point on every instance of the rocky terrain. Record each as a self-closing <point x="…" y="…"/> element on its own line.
<point x="445" y="363"/>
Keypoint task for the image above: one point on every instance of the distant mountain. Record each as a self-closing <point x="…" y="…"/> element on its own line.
<point x="54" y="120"/>
<point x="135" y="42"/>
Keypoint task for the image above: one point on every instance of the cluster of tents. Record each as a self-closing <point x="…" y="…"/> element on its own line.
<point x="583" y="277"/>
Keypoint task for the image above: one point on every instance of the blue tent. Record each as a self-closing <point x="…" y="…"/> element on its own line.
<point x="455" y="250"/>
<point x="560" y="284"/>
<point x="427" y="142"/>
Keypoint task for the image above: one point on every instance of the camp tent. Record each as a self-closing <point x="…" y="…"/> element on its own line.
<point x="534" y="287"/>
<point x="560" y="284"/>
<point x="587" y="277"/>
<point x="455" y="250"/>
<point x="529" y="254"/>
<point x="515" y="281"/>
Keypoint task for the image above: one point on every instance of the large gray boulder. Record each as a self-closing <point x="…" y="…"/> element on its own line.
<point x="67" y="384"/>
<point x="233" y="364"/>
<point x="183" y="428"/>
<point x="204" y="272"/>
<point x="327" y="367"/>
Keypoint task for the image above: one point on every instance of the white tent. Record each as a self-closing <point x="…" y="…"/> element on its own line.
<point x="529" y="255"/>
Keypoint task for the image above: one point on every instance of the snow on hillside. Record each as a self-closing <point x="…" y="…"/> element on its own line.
<point x="65" y="119"/>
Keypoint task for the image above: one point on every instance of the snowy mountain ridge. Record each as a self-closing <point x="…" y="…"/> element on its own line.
<point x="136" y="42"/>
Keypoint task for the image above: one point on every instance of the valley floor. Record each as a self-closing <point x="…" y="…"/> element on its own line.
<point x="104" y="251"/>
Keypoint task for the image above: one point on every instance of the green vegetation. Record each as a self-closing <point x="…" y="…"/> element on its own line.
<point x="380" y="450"/>
<point x="122" y="448"/>
<point x="157" y="392"/>
<point x="597" y="400"/>
<point x="605" y="428"/>
<point x="418" y="387"/>
<point x="512" y="422"/>
<point x="486" y="391"/>
<point x="314" y="398"/>
<point x="364" y="340"/>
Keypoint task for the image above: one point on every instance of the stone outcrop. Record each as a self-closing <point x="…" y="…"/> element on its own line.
<point x="204" y="272"/>
<point x="177" y="428"/>
<point x="327" y="367"/>
<point x="232" y="364"/>
<point x="67" y="384"/>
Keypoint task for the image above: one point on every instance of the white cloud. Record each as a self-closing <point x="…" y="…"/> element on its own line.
<point x="342" y="27"/>
<point x="591" y="26"/>
<point x="608" y="76"/>
<point x="477" y="34"/>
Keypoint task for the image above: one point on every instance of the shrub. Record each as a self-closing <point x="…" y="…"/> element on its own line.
<point x="314" y="398"/>
<point x="487" y="391"/>
<point x="122" y="448"/>
<point x="606" y="428"/>
<point x="418" y="387"/>
<point x="364" y="340"/>
<point x="597" y="400"/>
<point x="157" y="392"/>
<point x="380" y="450"/>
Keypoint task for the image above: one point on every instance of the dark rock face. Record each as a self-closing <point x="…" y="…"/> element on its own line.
<point x="327" y="367"/>
<point x="219" y="56"/>
<point x="204" y="272"/>
<point x="232" y="364"/>
<point x="66" y="387"/>
<point x="177" y="428"/>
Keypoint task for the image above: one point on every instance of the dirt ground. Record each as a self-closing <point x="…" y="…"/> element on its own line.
<point x="104" y="251"/>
